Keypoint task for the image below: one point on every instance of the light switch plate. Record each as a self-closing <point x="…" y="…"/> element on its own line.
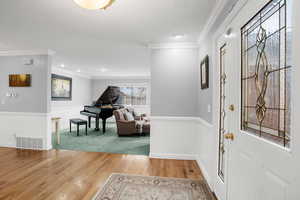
<point x="208" y="108"/>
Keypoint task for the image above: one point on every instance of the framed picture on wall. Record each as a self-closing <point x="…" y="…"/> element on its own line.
<point x="19" y="80"/>
<point x="204" y="72"/>
<point x="61" y="88"/>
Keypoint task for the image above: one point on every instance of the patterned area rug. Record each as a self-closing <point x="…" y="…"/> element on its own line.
<point x="132" y="187"/>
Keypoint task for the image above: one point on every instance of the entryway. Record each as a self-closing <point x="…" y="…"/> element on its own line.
<point x="258" y="141"/>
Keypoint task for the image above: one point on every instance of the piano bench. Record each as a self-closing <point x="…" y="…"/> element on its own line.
<point x="78" y="122"/>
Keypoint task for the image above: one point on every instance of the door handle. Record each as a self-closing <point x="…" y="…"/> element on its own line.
<point x="231" y="107"/>
<point x="229" y="136"/>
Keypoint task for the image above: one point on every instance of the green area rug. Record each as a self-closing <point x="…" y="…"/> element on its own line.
<point x="96" y="141"/>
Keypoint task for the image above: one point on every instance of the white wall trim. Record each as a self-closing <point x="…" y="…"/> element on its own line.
<point x="31" y="125"/>
<point x="205" y="173"/>
<point x="173" y="156"/>
<point x="174" y="45"/>
<point x="222" y="29"/>
<point x="184" y="138"/>
<point x="66" y="72"/>
<point x="204" y="122"/>
<point x="212" y="19"/>
<point x="172" y="118"/>
<point x="26" y="52"/>
<point x="87" y="75"/>
<point x="122" y="76"/>
<point x="24" y="114"/>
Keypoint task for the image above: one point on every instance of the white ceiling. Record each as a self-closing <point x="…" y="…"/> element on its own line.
<point x="115" y="39"/>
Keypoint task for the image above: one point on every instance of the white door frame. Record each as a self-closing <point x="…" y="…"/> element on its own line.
<point x="293" y="193"/>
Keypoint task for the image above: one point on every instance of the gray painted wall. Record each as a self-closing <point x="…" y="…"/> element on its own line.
<point x="205" y="97"/>
<point x="174" y="82"/>
<point x="81" y="92"/>
<point x="29" y="99"/>
<point x="99" y="85"/>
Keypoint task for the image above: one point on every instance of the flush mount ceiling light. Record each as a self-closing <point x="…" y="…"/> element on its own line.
<point x="94" y="4"/>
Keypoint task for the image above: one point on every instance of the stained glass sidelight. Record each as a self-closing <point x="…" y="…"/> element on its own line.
<point x="222" y="114"/>
<point x="266" y="73"/>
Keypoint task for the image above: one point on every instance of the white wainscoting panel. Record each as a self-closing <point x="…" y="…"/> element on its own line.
<point x="31" y="125"/>
<point x="173" y="138"/>
<point x="206" y="148"/>
<point x="186" y="138"/>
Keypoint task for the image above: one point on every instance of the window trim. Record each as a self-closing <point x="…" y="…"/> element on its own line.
<point x="141" y="84"/>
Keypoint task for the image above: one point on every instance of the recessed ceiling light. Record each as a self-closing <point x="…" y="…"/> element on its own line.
<point x="78" y="70"/>
<point x="178" y="36"/>
<point x="103" y="70"/>
<point x="62" y="66"/>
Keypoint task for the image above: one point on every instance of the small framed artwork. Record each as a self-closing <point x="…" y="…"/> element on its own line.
<point x="19" y="80"/>
<point x="61" y="88"/>
<point x="204" y="73"/>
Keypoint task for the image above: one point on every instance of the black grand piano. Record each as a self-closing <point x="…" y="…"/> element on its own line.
<point x="103" y="108"/>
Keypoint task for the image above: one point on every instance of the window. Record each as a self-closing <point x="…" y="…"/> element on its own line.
<point x="222" y="114"/>
<point x="266" y="73"/>
<point x="131" y="95"/>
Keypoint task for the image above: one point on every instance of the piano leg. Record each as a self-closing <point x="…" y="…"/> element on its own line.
<point x="97" y="124"/>
<point x="89" y="122"/>
<point x="104" y="125"/>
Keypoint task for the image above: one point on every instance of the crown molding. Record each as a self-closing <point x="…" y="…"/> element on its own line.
<point x="116" y="76"/>
<point x="26" y="52"/>
<point x="65" y="72"/>
<point x="179" y="45"/>
<point x="237" y="8"/>
<point x="212" y="19"/>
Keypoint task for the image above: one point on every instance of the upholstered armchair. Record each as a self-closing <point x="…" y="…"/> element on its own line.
<point x="125" y="126"/>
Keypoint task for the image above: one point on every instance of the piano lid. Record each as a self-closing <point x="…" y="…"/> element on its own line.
<point x="109" y="96"/>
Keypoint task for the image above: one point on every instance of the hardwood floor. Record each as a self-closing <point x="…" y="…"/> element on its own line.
<point x="68" y="175"/>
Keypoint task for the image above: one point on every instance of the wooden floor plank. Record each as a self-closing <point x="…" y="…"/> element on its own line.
<point x="60" y="174"/>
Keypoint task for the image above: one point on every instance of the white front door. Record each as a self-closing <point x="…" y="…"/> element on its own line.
<point x="224" y="54"/>
<point x="263" y="156"/>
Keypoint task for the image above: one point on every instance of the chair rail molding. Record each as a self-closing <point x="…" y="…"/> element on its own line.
<point x="174" y="45"/>
<point x="31" y="125"/>
<point x="27" y="52"/>
<point x="184" y="138"/>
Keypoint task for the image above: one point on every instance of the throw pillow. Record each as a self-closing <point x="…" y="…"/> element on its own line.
<point x="128" y="116"/>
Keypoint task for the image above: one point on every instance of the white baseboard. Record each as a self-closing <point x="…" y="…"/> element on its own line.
<point x="173" y="137"/>
<point x="173" y="156"/>
<point x="49" y="148"/>
<point x="203" y="122"/>
<point x="7" y="145"/>
<point x="205" y="173"/>
<point x="184" y="138"/>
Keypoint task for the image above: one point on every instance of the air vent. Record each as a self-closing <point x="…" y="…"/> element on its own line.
<point x="29" y="143"/>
